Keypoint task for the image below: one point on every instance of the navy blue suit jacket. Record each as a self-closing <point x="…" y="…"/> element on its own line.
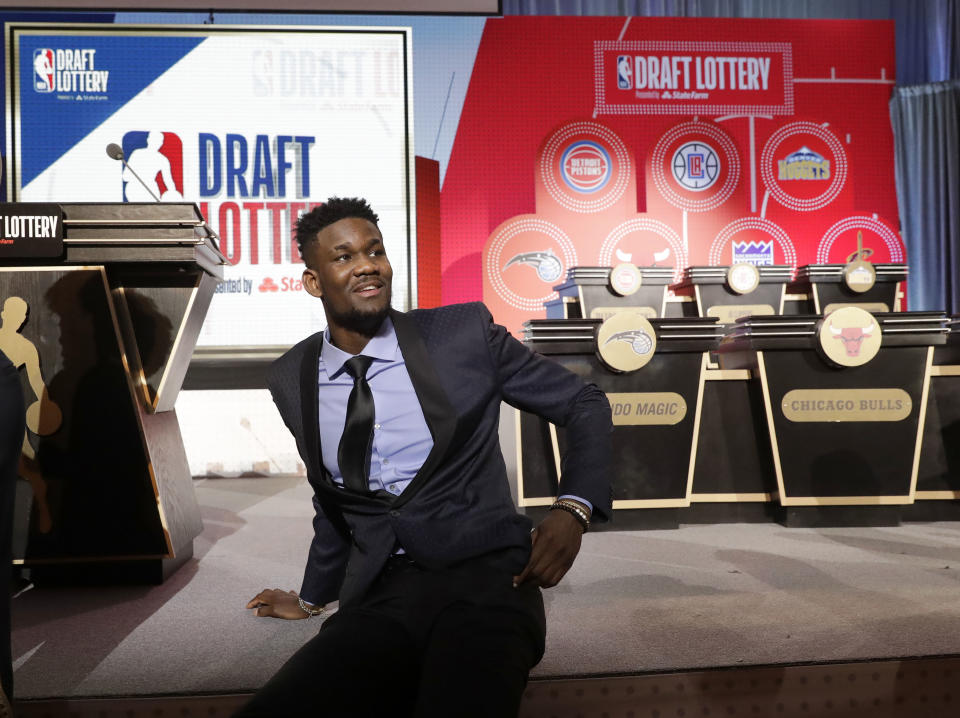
<point x="459" y="504"/>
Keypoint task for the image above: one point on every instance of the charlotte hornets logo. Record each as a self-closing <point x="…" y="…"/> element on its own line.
<point x="759" y="253"/>
<point x="585" y="166"/>
<point x="640" y="341"/>
<point x="548" y="265"/>
<point x="696" y="166"/>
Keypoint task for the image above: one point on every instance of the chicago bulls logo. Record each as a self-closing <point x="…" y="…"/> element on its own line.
<point x="849" y="337"/>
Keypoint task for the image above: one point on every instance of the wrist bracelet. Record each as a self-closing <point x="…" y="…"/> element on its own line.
<point x="310" y="611"/>
<point x="578" y="513"/>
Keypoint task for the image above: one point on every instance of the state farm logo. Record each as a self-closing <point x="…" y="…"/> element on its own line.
<point x="268" y="285"/>
<point x="157" y="159"/>
<point x="43" y="69"/>
<point x="696" y="166"/>
<point x="585" y="167"/>
<point x="524" y="257"/>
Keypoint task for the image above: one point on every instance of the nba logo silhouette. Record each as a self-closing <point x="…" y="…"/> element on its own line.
<point x="43" y="69"/>
<point x="624" y="72"/>
<point x="157" y="159"/>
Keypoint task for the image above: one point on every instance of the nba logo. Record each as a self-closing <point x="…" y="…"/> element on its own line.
<point x="695" y="166"/>
<point x="157" y="158"/>
<point x="624" y="73"/>
<point x="43" y="69"/>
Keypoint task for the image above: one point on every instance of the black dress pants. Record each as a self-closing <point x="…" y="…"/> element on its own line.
<point x="11" y="440"/>
<point x="420" y="644"/>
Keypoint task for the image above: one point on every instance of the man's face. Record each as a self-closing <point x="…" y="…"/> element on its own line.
<point x="347" y="268"/>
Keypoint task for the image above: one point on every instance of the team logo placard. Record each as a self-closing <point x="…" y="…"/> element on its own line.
<point x="585" y="167"/>
<point x="849" y="337"/>
<point x="743" y="278"/>
<point x="525" y="258"/>
<point x="695" y="166"/>
<point x="626" y="341"/>
<point x="866" y="238"/>
<point x="804" y="166"/>
<point x="752" y="240"/>
<point x="625" y="279"/>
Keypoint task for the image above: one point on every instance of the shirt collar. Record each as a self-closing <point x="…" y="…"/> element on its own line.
<point x="382" y="346"/>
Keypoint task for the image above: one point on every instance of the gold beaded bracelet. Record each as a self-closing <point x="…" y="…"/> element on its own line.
<point x="310" y="611"/>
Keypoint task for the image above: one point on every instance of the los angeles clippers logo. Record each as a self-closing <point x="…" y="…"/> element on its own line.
<point x="547" y="264"/>
<point x="696" y="166"/>
<point x="43" y="69"/>
<point x="640" y="342"/>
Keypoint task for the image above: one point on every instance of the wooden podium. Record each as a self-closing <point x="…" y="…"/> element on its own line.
<point x="103" y="335"/>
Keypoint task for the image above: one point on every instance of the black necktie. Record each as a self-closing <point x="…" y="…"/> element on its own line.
<point x="354" y="450"/>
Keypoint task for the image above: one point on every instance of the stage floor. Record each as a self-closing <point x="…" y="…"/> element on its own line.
<point x="720" y="595"/>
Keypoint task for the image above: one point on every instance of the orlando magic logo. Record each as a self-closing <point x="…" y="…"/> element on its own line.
<point x="696" y="166"/>
<point x="640" y="342"/>
<point x="548" y="265"/>
<point x="759" y="254"/>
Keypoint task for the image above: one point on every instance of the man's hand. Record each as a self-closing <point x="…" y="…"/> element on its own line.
<point x="556" y="543"/>
<point x="277" y="603"/>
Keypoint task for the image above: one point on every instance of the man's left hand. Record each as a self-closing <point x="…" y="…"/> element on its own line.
<point x="556" y="543"/>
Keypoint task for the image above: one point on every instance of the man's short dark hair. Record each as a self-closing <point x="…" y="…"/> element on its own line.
<point x="333" y="210"/>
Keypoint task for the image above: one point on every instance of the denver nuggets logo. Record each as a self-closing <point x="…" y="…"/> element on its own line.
<point x="696" y="166"/>
<point x="585" y="166"/>
<point x="639" y="341"/>
<point x="804" y="164"/>
<point x="548" y="265"/>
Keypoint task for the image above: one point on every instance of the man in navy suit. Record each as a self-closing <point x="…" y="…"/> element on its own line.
<point x="416" y="534"/>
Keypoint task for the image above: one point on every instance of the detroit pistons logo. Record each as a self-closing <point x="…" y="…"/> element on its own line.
<point x="696" y="166"/>
<point x="585" y="167"/>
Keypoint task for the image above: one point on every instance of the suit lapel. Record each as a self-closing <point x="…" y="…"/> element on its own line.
<point x="439" y="414"/>
<point x="309" y="400"/>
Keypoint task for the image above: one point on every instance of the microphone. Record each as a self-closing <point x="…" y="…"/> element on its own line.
<point x="115" y="152"/>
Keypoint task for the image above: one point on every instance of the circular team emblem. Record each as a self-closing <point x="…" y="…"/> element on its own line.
<point x="743" y="278"/>
<point x="695" y="166"/>
<point x="861" y="237"/>
<point x="804" y="166"/>
<point x="585" y="167"/>
<point x="644" y="242"/>
<point x="626" y="341"/>
<point x="752" y="240"/>
<point x="524" y="258"/>
<point x="625" y="279"/>
<point x="859" y="276"/>
<point x="849" y="337"/>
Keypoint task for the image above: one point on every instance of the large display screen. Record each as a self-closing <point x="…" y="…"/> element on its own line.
<point x="255" y="125"/>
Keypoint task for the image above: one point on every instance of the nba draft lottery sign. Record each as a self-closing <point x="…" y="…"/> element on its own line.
<point x="254" y="125"/>
<point x="670" y="142"/>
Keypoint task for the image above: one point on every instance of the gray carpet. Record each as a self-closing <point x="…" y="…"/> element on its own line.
<point x="712" y="595"/>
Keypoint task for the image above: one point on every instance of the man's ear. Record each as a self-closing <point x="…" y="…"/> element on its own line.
<point x="312" y="283"/>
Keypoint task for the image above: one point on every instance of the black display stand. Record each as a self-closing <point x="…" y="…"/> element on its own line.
<point x="112" y="323"/>
<point x="586" y="293"/>
<point x="826" y="290"/>
<point x="653" y="462"/>
<point x="715" y="297"/>
<point x="830" y="465"/>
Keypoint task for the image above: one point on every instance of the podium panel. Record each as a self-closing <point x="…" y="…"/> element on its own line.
<point x="939" y="472"/>
<point x="102" y="336"/>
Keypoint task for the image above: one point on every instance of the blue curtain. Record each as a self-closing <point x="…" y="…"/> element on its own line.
<point x="926" y="130"/>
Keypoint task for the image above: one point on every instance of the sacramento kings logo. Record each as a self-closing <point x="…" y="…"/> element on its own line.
<point x="696" y="166"/>
<point x="759" y="254"/>
<point x="585" y="167"/>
